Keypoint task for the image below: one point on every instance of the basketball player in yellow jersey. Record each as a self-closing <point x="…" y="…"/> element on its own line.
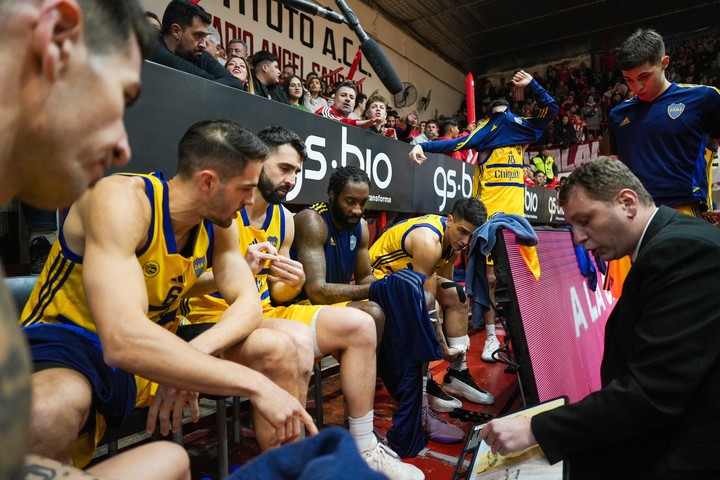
<point x="347" y="330"/>
<point x="80" y="373"/>
<point x="430" y="244"/>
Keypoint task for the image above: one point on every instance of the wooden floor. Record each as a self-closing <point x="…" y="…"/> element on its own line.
<point x="437" y="460"/>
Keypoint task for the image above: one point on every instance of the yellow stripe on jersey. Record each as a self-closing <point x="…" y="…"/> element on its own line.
<point x="709" y="157"/>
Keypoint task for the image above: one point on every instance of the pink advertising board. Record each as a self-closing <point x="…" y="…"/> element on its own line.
<point x="563" y="319"/>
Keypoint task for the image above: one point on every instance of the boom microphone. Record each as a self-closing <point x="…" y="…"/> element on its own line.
<point x="378" y="61"/>
<point x="314" y="9"/>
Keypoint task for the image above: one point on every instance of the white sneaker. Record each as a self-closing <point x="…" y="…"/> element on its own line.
<point x="461" y="383"/>
<point x="382" y="459"/>
<point x="491" y="344"/>
<point x="439" y="400"/>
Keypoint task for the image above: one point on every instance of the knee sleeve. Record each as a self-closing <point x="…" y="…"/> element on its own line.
<point x="460" y="289"/>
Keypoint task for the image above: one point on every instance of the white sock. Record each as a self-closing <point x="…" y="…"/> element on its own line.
<point x="463" y="343"/>
<point x="361" y="430"/>
<point x="490" y="329"/>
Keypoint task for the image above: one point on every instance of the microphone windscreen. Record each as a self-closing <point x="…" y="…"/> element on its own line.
<point x="382" y="66"/>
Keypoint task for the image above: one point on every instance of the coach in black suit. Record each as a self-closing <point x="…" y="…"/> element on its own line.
<point x="657" y="415"/>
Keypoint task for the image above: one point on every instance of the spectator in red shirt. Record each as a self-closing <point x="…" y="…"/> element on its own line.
<point x="450" y="130"/>
<point x="528" y="176"/>
<point x="343" y="105"/>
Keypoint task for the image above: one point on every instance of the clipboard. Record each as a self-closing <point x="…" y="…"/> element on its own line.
<point x="477" y="462"/>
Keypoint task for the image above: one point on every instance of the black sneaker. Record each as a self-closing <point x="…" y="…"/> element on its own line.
<point x="39" y="251"/>
<point x="439" y="400"/>
<point x="461" y="383"/>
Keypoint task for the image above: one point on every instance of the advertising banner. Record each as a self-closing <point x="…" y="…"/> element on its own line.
<point x="562" y="318"/>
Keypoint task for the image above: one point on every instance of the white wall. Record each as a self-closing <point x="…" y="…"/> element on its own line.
<point x="314" y="43"/>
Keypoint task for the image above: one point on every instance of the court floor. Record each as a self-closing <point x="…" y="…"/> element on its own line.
<point x="437" y="460"/>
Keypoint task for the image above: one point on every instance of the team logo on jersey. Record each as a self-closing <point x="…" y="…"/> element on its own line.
<point x="150" y="269"/>
<point x="273" y="241"/>
<point x="625" y="122"/>
<point x="518" y="120"/>
<point x="675" y="110"/>
<point x="259" y="285"/>
<point x="332" y="241"/>
<point x="199" y="265"/>
<point x="353" y="242"/>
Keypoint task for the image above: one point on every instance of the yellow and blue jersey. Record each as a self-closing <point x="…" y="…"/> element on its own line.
<point x="663" y="141"/>
<point x="389" y="253"/>
<point x="59" y="297"/>
<point x="499" y="180"/>
<point x="208" y="308"/>
<point x="503" y="129"/>
<point x="340" y="247"/>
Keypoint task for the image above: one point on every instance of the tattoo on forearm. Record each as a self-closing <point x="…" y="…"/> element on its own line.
<point x="40" y="468"/>
<point x="14" y="388"/>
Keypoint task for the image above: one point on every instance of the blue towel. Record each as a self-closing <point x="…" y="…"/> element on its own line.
<point x="585" y="264"/>
<point x="330" y="455"/>
<point x="408" y="341"/>
<point x="482" y="243"/>
<point x="601" y="265"/>
<point x="517" y="224"/>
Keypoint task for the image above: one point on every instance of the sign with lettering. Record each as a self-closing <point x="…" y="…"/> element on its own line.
<point x="157" y="121"/>
<point x="311" y="44"/>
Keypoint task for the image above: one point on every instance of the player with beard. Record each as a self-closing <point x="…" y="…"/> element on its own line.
<point x="266" y="233"/>
<point x="182" y="43"/>
<point x="343" y="105"/>
<point x="332" y="244"/>
<point x="332" y="241"/>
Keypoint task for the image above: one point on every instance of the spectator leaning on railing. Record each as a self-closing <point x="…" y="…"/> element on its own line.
<point x="182" y="43"/>
<point x="343" y="104"/>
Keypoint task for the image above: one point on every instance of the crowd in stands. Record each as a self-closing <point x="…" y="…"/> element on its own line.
<point x="586" y="94"/>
